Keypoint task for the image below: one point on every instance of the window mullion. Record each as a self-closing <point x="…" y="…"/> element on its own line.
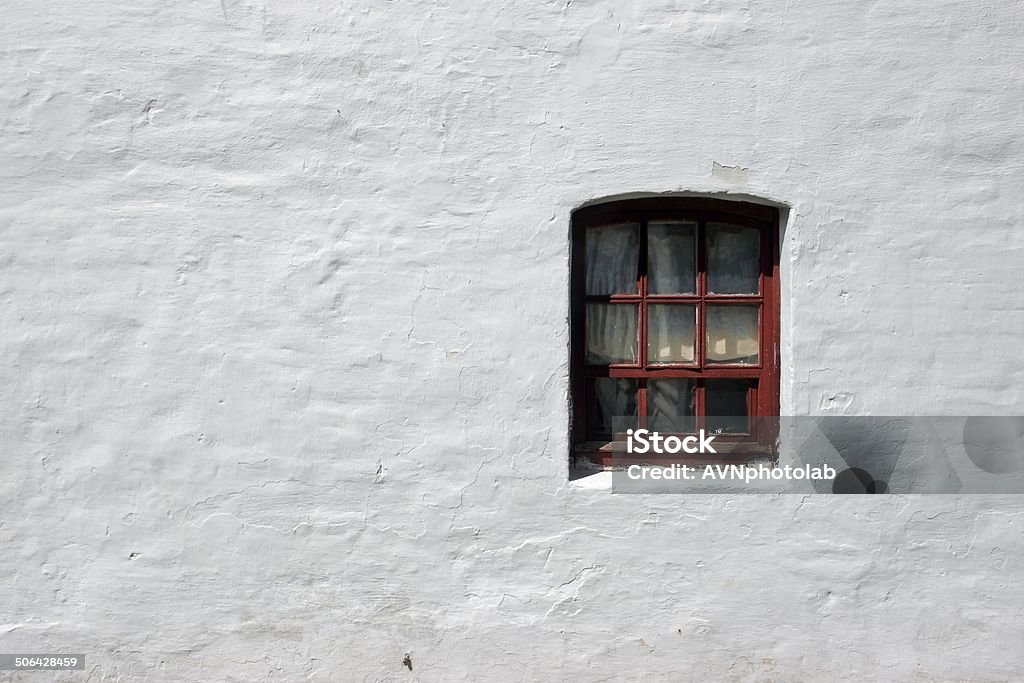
<point x="700" y="399"/>
<point x="642" y="289"/>
<point x="702" y="283"/>
<point x="641" y="404"/>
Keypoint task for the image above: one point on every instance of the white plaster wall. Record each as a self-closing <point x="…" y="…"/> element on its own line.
<point x="284" y="327"/>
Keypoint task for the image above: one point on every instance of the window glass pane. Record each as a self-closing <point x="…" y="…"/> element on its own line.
<point x="734" y="259"/>
<point x="611" y="333"/>
<point x="671" y="258"/>
<point x="725" y="401"/>
<point x="615" y="398"/>
<point x="732" y="334"/>
<point x="670" y="405"/>
<point x="670" y="333"/>
<point x="613" y="254"/>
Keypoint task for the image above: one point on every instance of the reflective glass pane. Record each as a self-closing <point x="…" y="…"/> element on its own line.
<point x="725" y="401"/>
<point x="734" y="259"/>
<point x="611" y="333"/>
<point x="670" y="333"/>
<point x="670" y="405"/>
<point x="671" y="258"/>
<point x="615" y="398"/>
<point x="613" y="255"/>
<point x="732" y="334"/>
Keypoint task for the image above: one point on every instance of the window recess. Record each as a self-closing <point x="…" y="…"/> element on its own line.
<point x="674" y="323"/>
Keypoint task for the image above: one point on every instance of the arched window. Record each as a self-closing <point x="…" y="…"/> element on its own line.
<point x="675" y="321"/>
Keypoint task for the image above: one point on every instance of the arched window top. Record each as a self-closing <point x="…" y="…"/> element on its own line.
<point x="642" y="208"/>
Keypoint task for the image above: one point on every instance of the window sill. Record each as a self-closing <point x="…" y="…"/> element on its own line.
<point x="612" y="455"/>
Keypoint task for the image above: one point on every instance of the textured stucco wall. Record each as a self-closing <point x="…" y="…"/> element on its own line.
<point x="284" y="326"/>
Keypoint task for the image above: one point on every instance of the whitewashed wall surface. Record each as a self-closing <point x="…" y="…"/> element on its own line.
<point x="284" y="327"/>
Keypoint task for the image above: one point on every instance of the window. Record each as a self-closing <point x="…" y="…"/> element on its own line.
<point x="675" y="319"/>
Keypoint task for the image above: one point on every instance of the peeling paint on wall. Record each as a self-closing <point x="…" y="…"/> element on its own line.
<point x="736" y="175"/>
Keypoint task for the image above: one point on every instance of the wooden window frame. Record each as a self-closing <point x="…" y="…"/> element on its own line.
<point x="762" y="397"/>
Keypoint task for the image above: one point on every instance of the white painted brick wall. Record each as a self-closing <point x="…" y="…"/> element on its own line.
<point x="284" y="312"/>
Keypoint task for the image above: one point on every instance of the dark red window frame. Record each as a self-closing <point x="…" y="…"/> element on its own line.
<point x="763" y="395"/>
